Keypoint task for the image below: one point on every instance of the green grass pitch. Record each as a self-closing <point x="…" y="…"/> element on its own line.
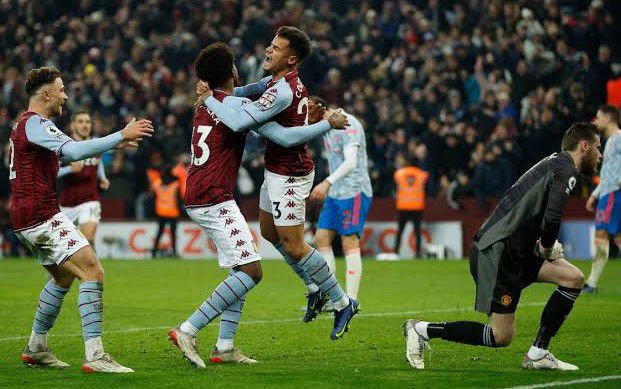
<point x="144" y="298"/>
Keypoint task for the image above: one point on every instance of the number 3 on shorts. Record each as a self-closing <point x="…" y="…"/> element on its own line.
<point x="277" y="213"/>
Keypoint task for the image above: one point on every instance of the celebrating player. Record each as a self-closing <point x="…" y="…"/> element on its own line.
<point x="344" y="212"/>
<point x="607" y="195"/>
<point x="81" y="181"/>
<point x="515" y="247"/>
<point x="216" y="156"/>
<point x="289" y="172"/>
<point x="36" y="145"/>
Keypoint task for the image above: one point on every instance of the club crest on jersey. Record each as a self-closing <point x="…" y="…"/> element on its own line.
<point x="506" y="300"/>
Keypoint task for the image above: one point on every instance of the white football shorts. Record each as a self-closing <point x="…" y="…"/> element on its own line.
<point x="285" y="197"/>
<point x="228" y="230"/>
<point x="53" y="241"/>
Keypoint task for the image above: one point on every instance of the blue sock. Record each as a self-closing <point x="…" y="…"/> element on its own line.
<point x="229" y="321"/>
<point x="90" y="304"/>
<point x="231" y="290"/>
<point x="50" y="301"/>
<point x="296" y="268"/>
<point x="318" y="270"/>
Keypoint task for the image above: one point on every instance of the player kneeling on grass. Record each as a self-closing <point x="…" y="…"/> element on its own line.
<point x="515" y="247"/>
<point x="36" y="145"/>
<point x="216" y="156"/>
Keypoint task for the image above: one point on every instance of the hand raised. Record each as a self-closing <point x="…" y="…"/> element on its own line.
<point x="136" y="130"/>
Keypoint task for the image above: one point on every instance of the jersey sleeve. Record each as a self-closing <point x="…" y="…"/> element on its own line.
<point x="563" y="183"/>
<point x="254" y="89"/>
<point x="272" y="102"/>
<point x="44" y="133"/>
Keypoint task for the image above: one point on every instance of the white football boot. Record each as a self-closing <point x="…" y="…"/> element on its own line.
<point x="105" y="364"/>
<point x="43" y="358"/>
<point x="547" y="362"/>
<point x="414" y="345"/>
<point x="187" y="345"/>
<point x="229" y="356"/>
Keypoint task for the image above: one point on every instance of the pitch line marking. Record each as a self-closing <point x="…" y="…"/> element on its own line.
<point x="276" y="321"/>
<point x="566" y="383"/>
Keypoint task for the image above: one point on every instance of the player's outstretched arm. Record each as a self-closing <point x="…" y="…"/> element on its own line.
<point x="292" y="136"/>
<point x="242" y="117"/>
<point x="298" y="135"/>
<point x="44" y="133"/>
<point x="254" y="89"/>
<point x="133" y="131"/>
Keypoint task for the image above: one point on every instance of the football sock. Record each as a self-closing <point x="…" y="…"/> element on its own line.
<point x="318" y="270"/>
<point x="354" y="272"/>
<point x="536" y="352"/>
<point x="328" y="255"/>
<point x="90" y="305"/>
<point x="556" y="310"/>
<point x="232" y="289"/>
<point x="310" y="285"/>
<point x="229" y="321"/>
<point x="599" y="262"/>
<point x="468" y="332"/>
<point x="50" y="302"/>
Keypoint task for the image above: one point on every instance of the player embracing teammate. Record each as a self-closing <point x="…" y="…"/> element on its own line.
<point x="216" y="156"/>
<point x="289" y="172"/>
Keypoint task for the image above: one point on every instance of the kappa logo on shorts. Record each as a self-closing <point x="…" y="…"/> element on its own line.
<point x="245" y="254"/>
<point x="290" y="204"/>
<point x="71" y="243"/>
<point x="290" y="192"/>
<point x="240" y="243"/>
<point x="229" y="221"/>
<point x="234" y="232"/>
<point x="64" y="233"/>
<point x="224" y="211"/>
<point x="506" y="300"/>
<point x="290" y="180"/>
<point x="56" y="223"/>
<point x="290" y="217"/>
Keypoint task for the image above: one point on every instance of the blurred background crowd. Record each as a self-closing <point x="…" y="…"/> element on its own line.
<point x="475" y="91"/>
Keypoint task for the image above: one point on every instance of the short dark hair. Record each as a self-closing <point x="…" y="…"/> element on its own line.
<point x="298" y="41"/>
<point x="38" y="77"/>
<point x="578" y="132"/>
<point x="318" y="100"/>
<point x="78" y="113"/>
<point x="612" y="112"/>
<point x="214" y="64"/>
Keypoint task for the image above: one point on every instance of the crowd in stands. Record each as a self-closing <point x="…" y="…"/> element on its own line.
<point x="475" y="91"/>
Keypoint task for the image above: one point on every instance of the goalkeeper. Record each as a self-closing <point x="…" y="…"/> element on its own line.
<point x="517" y="246"/>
